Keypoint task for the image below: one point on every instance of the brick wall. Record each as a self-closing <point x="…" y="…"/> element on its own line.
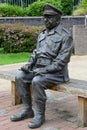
<point x="80" y="39"/>
<point x="67" y="21"/>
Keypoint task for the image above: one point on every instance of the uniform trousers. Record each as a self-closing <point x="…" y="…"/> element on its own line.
<point x="39" y="84"/>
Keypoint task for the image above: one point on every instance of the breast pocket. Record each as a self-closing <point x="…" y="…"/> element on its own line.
<point x="54" y="44"/>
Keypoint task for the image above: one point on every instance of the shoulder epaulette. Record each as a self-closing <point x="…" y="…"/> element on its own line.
<point x="44" y="30"/>
<point x="65" y="30"/>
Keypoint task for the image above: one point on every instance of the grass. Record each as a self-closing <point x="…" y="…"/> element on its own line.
<point x="14" y="58"/>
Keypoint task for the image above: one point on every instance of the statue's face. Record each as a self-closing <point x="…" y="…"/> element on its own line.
<point x="51" y="21"/>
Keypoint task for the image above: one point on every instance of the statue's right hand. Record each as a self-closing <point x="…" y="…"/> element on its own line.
<point x="25" y="68"/>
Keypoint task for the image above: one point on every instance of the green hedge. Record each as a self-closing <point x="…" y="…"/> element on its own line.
<point x="81" y="8"/>
<point x="36" y="8"/>
<point x="67" y="6"/>
<point x="18" y="38"/>
<point x="9" y="10"/>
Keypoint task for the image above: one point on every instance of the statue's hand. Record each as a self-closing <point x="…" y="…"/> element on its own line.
<point x="39" y="71"/>
<point x="25" y="68"/>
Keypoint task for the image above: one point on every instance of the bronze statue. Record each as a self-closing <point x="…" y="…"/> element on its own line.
<point x="47" y="66"/>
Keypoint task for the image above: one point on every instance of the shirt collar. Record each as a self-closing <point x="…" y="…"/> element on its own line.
<point x="58" y="29"/>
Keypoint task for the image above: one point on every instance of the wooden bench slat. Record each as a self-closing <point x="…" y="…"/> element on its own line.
<point x="8" y="75"/>
<point x="72" y="87"/>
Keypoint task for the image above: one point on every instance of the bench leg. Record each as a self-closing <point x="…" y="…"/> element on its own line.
<point x="15" y="97"/>
<point x="82" y="111"/>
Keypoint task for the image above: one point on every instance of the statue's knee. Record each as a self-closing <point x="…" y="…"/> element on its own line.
<point x="35" y="80"/>
<point x="19" y="76"/>
<point x="38" y="81"/>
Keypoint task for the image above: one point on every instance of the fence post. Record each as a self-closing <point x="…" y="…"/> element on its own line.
<point x="85" y="20"/>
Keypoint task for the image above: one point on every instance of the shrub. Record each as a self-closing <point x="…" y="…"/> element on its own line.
<point x="67" y="6"/>
<point x="84" y="2"/>
<point x="19" y="38"/>
<point x="80" y="11"/>
<point x="81" y="8"/>
<point x="36" y="8"/>
<point x="10" y="10"/>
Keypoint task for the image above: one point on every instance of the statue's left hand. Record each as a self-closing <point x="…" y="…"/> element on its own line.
<point x="39" y="71"/>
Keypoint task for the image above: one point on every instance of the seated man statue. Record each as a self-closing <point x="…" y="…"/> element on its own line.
<point x="47" y="66"/>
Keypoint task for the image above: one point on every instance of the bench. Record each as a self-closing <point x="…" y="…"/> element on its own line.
<point x="76" y="87"/>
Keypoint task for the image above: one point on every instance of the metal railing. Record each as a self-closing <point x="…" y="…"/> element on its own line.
<point x="22" y="3"/>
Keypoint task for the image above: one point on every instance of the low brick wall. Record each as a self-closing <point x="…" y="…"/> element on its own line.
<point x="80" y="39"/>
<point x="32" y="21"/>
<point x="67" y="21"/>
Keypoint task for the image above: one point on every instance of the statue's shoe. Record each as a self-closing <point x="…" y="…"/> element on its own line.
<point x="22" y="115"/>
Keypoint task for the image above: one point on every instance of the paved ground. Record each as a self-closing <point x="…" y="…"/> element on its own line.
<point x="61" y="109"/>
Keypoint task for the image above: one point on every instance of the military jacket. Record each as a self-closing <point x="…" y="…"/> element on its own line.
<point x="53" y="51"/>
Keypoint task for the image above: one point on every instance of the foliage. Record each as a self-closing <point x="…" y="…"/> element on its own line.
<point x="36" y="8"/>
<point x="9" y="10"/>
<point x="84" y="2"/>
<point x="67" y="6"/>
<point x="81" y="8"/>
<point x="18" y="38"/>
<point x="80" y="11"/>
<point x="22" y="3"/>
